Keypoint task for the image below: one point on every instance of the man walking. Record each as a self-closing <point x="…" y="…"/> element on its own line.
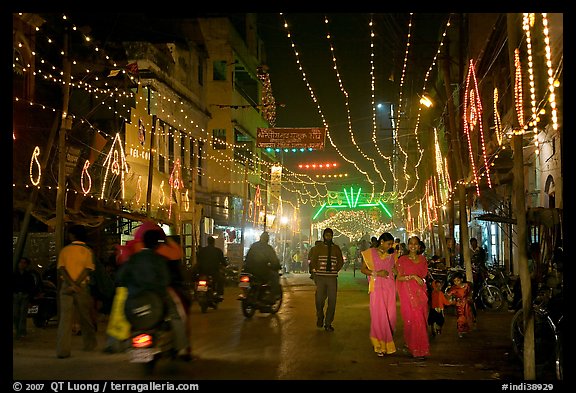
<point x="325" y="263"/>
<point x="75" y="263"/>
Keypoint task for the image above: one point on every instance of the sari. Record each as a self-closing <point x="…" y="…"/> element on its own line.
<point x="414" y="304"/>
<point x="382" y="292"/>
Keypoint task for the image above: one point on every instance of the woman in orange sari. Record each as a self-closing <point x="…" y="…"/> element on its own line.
<point x="412" y="293"/>
<point x="378" y="265"/>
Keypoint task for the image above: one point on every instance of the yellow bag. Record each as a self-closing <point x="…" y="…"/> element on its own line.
<point x="118" y="326"/>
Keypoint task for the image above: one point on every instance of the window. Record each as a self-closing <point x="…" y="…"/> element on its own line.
<point x="243" y="146"/>
<point x="219" y="70"/>
<point x="219" y="139"/>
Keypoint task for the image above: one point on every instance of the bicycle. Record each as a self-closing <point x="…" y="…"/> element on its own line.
<point x="548" y="322"/>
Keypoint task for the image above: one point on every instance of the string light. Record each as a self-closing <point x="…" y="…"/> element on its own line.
<point x="34" y="163"/>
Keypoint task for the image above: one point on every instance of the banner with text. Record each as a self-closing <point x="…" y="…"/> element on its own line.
<point x="284" y="138"/>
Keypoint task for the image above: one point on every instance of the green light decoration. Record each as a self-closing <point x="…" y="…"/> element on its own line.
<point x="319" y="210"/>
<point x="352" y="199"/>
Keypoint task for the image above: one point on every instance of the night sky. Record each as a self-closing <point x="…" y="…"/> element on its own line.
<point x="350" y="36"/>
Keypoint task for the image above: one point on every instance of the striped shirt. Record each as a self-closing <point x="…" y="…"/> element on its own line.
<point x="319" y="259"/>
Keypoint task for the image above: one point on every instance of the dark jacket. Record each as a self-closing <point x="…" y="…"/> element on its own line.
<point x="144" y="271"/>
<point x="261" y="258"/>
<point x="210" y="260"/>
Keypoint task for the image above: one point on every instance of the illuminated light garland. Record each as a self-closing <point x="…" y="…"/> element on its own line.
<point x="175" y="182"/>
<point x="471" y="117"/>
<point x="526" y="27"/>
<point x="355" y="223"/>
<point x="34" y="163"/>
<point x="115" y="163"/>
<point x="327" y="165"/>
<point x="139" y="189"/>
<point x="442" y="174"/>
<point x="551" y="81"/>
<point x="416" y="128"/>
<point x="268" y="101"/>
<point x="497" y="121"/>
<point x="86" y="175"/>
<point x="374" y="115"/>
<point x="518" y="101"/>
<point x="332" y="175"/>
<point x="315" y="100"/>
<point x="401" y="104"/>
<point x="348" y="115"/>
<point x="162" y="196"/>
<point x="186" y="201"/>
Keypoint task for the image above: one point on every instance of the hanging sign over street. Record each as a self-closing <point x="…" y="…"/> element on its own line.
<point x="309" y="138"/>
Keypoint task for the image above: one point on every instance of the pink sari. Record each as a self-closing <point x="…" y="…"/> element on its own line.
<point x="414" y="305"/>
<point x="382" y="302"/>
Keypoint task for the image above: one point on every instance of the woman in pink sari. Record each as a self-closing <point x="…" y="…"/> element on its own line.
<point x="378" y="265"/>
<point x="410" y="283"/>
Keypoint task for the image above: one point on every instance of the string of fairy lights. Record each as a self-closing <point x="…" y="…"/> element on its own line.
<point x="118" y="158"/>
<point x="320" y="112"/>
<point x="538" y="110"/>
<point x="110" y="97"/>
<point x="387" y="159"/>
<point x="471" y="121"/>
<point x="347" y="104"/>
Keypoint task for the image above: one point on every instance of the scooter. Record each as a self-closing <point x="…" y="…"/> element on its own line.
<point x="205" y="292"/>
<point x="152" y="335"/>
<point x="257" y="296"/>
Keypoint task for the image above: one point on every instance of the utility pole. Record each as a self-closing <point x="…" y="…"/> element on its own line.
<point x="245" y="207"/>
<point x="520" y="211"/>
<point x="151" y="166"/>
<point x="454" y="143"/>
<point x="65" y="126"/>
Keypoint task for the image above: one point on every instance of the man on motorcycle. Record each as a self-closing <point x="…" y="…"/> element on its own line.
<point x="211" y="261"/>
<point x="263" y="263"/>
<point x="147" y="270"/>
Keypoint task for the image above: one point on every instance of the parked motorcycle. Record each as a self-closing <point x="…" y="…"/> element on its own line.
<point x="205" y="292"/>
<point x="43" y="307"/>
<point x="151" y="331"/>
<point x="257" y="296"/>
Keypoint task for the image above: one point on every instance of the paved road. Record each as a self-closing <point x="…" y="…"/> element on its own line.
<point x="288" y="346"/>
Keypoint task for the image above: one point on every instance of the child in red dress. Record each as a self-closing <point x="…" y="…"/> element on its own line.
<point x="461" y="292"/>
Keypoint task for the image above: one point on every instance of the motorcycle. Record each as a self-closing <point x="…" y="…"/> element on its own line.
<point x="205" y="292"/>
<point x="43" y="307"/>
<point x="257" y="296"/>
<point x="151" y="331"/>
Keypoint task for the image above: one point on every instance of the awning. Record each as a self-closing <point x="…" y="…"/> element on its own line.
<point x="496" y="218"/>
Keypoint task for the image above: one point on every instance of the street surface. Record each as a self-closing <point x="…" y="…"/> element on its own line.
<point x="287" y="346"/>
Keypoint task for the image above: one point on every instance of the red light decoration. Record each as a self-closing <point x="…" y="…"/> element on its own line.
<point x="323" y="165"/>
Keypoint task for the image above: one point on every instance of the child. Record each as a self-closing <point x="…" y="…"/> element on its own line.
<point x="437" y="302"/>
<point x="461" y="292"/>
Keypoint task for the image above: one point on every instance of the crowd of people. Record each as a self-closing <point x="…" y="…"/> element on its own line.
<point x="151" y="261"/>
